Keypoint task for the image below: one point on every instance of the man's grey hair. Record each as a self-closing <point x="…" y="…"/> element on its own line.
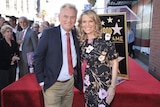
<point x="71" y="6"/>
<point x="25" y="18"/>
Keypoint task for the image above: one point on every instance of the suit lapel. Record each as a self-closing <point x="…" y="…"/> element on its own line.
<point x="26" y="34"/>
<point x="57" y="40"/>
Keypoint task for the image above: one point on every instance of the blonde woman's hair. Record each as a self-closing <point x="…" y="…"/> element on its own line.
<point x="5" y="27"/>
<point x="93" y="15"/>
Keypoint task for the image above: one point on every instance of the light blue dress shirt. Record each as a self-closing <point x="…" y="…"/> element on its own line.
<point x="64" y="75"/>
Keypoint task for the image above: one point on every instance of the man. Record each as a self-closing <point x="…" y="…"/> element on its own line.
<point x="51" y="61"/>
<point x="13" y="23"/>
<point x="27" y="40"/>
<point x="131" y="39"/>
<point x="2" y="20"/>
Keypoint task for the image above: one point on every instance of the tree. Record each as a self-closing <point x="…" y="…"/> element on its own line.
<point x="43" y="14"/>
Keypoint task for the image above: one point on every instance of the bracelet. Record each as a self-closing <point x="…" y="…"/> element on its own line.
<point x="112" y="87"/>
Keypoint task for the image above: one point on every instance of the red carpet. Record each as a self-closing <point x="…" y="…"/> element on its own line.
<point x="141" y="90"/>
<point x="23" y="93"/>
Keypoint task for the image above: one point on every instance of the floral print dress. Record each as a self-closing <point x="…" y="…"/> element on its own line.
<point x="97" y="77"/>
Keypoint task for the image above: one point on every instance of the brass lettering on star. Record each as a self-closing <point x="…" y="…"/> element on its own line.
<point x="107" y="30"/>
<point x="118" y="39"/>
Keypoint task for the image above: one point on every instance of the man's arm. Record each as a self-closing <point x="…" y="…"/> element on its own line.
<point x="39" y="57"/>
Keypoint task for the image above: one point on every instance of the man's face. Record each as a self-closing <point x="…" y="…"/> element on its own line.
<point x="67" y="18"/>
<point x="1" y="22"/>
<point x="11" y="22"/>
<point x="23" y="23"/>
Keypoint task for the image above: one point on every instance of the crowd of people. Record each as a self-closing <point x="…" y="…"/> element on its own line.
<point x="17" y="38"/>
<point x="58" y="55"/>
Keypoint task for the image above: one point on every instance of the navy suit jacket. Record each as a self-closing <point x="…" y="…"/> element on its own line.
<point x="48" y="58"/>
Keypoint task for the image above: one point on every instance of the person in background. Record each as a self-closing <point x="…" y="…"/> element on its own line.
<point x="131" y="39"/>
<point x="51" y="60"/>
<point x="2" y="20"/>
<point x="13" y="34"/>
<point x="15" y="64"/>
<point x="52" y="25"/>
<point x="13" y="23"/>
<point x="99" y="53"/>
<point x="19" y="28"/>
<point x="6" y="23"/>
<point x="41" y="29"/>
<point x="35" y="27"/>
<point x="8" y="56"/>
<point x="27" y="40"/>
<point x="45" y="23"/>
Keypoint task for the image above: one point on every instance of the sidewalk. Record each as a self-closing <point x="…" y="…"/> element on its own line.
<point x="142" y="64"/>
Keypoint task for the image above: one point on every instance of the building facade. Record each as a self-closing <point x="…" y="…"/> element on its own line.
<point x="19" y="8"/>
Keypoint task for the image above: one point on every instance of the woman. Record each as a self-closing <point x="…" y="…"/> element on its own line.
<point x="98" y="51"/>
<point x="42" y="28"/>
<point x="8" y="55"/>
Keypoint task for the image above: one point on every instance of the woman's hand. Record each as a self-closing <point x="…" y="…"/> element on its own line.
<point x="110" y="94"/>
<point x="15" y="58"/>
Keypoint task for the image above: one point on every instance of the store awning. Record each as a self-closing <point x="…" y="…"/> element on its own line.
<point x="130" y="15"/>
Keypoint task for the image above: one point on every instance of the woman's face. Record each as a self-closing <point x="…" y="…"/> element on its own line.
<point x="88" y="25"/>
<point x="41" y="28"/>
<point x="8" y="34"/>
